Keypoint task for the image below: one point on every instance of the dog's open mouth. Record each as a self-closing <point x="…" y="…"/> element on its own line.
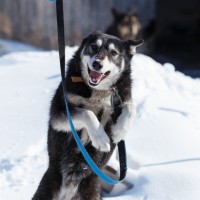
<point x="96" y="77"/>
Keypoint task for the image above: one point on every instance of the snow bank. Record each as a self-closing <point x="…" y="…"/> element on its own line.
<point x="8" y="46"/>
<point x="163" y="144"/>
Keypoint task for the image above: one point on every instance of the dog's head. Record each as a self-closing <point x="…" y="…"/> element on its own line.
<point x="127" y="24"/>
<point x="104" y="58"/>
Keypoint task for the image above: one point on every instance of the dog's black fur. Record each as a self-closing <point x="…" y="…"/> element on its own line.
<point x="66" y="163"/>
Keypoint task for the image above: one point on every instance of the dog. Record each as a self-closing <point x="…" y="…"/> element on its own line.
<point x="100" y="66"/>
<point x="125" y="25"/>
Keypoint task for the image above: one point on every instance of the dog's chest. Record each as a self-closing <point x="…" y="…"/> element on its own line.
<point x="99" y="103"/>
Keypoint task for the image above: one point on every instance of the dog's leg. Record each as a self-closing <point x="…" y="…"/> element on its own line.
<point x="124" y="122"/>
<point x="48" y="187"/>
<point x="89" y="188"/>
<point x="84" y="119"/>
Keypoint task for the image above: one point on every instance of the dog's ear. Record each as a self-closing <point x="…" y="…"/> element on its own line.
<point x="92" y="34"/>
<point x="84" y="41"/>
<point x="131" y="46"/>
<point x="116" y="14"/>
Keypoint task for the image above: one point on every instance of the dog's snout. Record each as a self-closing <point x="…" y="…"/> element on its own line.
<point x="96" y="65"/>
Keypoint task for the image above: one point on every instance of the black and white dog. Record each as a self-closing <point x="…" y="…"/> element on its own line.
<point x="100" y="66"/>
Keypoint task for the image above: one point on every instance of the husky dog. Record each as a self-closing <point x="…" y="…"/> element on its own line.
<point x="100" y="66"/>
<point x="125" y="25"/>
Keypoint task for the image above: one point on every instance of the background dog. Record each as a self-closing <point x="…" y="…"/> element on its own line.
<point x="100" y="66"/>
<point x="125" y="25"/>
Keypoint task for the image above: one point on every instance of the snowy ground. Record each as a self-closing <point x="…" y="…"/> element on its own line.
<point x="163" y="145"/>
<point x="8" y="46"/>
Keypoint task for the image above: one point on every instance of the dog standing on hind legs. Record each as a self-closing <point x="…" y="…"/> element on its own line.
<point x="99" y="67"/>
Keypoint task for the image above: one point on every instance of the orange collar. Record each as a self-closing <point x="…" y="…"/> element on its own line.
<point x="77" y="79"/>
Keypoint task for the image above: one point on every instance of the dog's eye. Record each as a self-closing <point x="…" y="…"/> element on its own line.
<point x="94" y="47"/>
<point x="113" y="52"/>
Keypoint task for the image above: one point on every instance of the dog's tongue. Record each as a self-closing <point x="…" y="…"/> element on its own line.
<point x="95" y="77"/>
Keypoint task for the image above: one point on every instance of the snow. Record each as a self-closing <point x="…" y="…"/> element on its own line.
<point x="8" y="46"/>
<point x="163" y="144"/>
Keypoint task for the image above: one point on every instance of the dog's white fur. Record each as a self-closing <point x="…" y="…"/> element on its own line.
<point x="112" y="46"/>
<point x="85" y="120"/>
<point x="107" y="66"/>
<point x="124" y="122"/>
<point x="99" y="42"/>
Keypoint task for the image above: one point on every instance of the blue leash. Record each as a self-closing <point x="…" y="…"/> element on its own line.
<point x="121" y="144"/>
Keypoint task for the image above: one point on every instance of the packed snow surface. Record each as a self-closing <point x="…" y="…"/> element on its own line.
<point x="163" y="144"/>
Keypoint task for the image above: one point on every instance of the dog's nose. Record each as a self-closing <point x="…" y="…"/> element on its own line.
<point x="96" y="65"/>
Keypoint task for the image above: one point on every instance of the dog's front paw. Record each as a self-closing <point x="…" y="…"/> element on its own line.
<point x="118" y="134"/>
<point x="100" y="140"/>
